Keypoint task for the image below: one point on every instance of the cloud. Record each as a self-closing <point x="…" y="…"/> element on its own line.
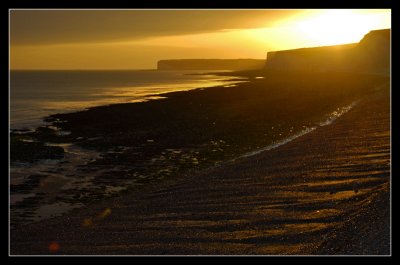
<point x="38" y="27"/>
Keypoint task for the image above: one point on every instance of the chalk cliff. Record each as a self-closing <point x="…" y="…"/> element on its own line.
<point x="373" y="52"/>
<point x="370" y="55"/>
<point x="211" y="64"/>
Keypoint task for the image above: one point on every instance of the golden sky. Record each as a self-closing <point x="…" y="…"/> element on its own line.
<point x="137" y="39"/>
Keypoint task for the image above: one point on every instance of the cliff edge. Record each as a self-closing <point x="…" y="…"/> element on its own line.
<point x="211" y="64"/>
<point x="370" y="55"/>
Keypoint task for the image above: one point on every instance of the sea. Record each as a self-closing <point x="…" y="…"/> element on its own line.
<point x="37" y="94"/>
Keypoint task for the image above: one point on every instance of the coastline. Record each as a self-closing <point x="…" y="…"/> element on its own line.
<point x="209" y="213"/>
<point x="77" y="90"/>
<point x="139" y="144"/>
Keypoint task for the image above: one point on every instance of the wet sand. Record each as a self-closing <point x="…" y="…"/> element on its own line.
<point x="326" y="192"/>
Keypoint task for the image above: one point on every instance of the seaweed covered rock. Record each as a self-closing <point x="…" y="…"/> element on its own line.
<point x="25" y="150"/>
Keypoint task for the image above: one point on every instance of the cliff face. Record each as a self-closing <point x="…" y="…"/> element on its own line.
<point x="370" y="55"/>
<point x="308" y="59"/>
<point x="211" y="64"/>
<point x="373" y="52"/>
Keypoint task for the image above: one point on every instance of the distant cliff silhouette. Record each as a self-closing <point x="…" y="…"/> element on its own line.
<point x="211" y="64"/>
<point x="370" y="55"/>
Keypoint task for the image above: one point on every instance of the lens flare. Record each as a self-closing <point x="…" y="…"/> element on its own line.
<point x="54" y="247"/>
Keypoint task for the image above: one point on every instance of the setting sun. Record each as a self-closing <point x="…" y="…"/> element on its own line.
<point x="339" y="26"/>
<point x="138" y="44"/>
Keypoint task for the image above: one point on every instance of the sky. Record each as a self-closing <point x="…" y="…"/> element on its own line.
<point x="137" y="39"/>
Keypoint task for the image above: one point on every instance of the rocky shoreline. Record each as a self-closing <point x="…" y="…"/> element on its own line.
<point x="144" y="144"/>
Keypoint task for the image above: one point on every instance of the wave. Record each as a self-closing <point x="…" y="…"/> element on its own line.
<point x="330" y="119"/>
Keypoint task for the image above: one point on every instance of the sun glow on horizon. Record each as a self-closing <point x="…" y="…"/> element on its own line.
<point x="307" y="28"/>
<point x="331" y="27"/>
<point x="313" y="28"/>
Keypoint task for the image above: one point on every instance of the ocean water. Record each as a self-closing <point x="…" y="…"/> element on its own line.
<point x="37" y="94"/>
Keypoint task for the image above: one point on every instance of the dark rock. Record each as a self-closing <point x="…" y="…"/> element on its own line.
<point x="32" y="151"/>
